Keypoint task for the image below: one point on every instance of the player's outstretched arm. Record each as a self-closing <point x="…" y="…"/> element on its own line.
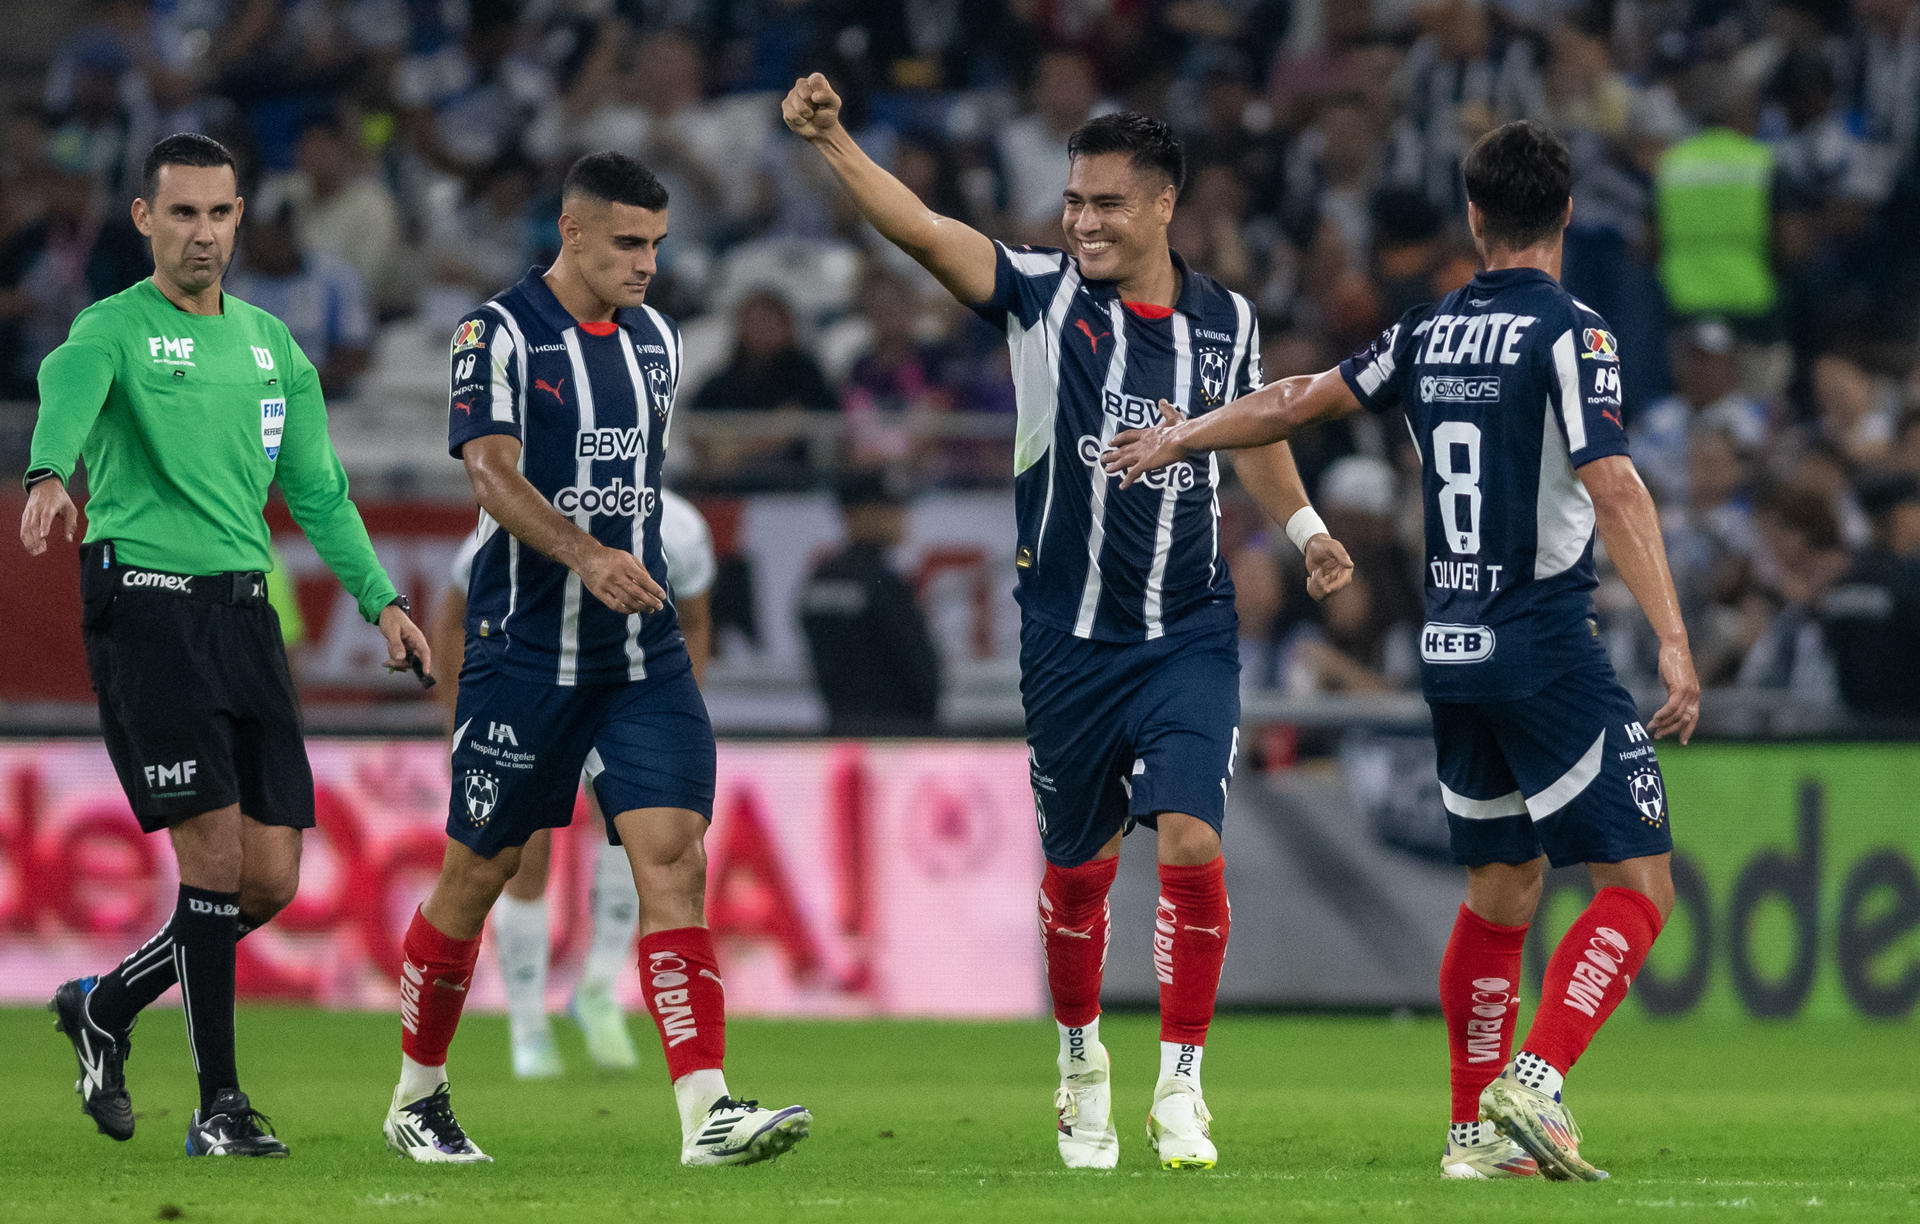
<point x="616" y="578"/>
<point x="959" y="256"/>
<point x="1274" y="413"/>
<point x="1629" y="526"/>
<point x="1272" y="479"/>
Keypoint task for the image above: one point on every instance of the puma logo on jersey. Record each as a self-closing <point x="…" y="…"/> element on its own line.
<point x="541" y="384"/>
<point x="1093" y="341"/>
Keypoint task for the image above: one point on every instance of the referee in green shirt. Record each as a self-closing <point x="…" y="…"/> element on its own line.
<point x="187" y="404"/>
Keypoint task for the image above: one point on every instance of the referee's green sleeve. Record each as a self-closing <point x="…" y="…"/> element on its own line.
<point x="74" y="381"/>
<point x="315" y="484"/>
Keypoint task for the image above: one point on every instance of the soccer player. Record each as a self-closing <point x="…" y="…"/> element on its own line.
<point x="562" y="392"/>
<point x="1511" y="389"/>
<point x="1129" y="654"/>
<point x="520" y="921"/>
<point x="187" y="404"/>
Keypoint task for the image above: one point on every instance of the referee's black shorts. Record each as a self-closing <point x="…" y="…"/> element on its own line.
<point x="196" y="701"/>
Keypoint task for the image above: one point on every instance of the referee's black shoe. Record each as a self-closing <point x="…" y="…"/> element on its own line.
<point x="233" y="1127"/>
<point x="102" y="1056"/>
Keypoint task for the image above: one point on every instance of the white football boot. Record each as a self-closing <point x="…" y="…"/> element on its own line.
<point x="1493" y="1158"/>
<point x="1178" y="1126"/>
<point x="740" y="1132"/>
<point x="425" y="1130"/>
<point x="1083" y="1108"/>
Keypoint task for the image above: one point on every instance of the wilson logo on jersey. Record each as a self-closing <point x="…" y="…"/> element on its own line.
<point x="1600" y="345"/>
<point x="471" y="335"/>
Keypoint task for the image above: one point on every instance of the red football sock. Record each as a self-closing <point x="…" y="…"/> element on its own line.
<point x="1190" y="930"/>
<point x="685" y="997"/>
<point x="1589" y="974"/>
<point x="1074" y="929"/>
<point x="435" y="972"/>
<point x="1480" y="999"/>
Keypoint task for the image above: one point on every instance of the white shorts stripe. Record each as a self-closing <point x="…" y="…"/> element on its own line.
<point x="1512" y="804"/>
<point x="1571" y="783"/>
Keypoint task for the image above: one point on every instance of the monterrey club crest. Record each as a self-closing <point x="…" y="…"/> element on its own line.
<point x="660" y="383"/>
<point x="482" y="793"/>
<point x="1213" y="374"/>
<point x="1649" y="796"/>
<point x="1600" y="345"/>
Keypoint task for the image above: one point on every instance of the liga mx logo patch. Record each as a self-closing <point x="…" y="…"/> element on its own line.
<point x="1213" y="374"/>
<point x="1600" y="345"/>
<point x="1649" y="796"/>
<point x="273" y="424"/>
<point x="472" y="334"/>
<point x="482" y="793"/>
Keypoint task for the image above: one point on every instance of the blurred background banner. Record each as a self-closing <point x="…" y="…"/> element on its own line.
<point x="897" y="878"/>
<point x="845" y="879"/>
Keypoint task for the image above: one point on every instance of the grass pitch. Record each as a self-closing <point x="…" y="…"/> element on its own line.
<point x="1317" y="1119"/>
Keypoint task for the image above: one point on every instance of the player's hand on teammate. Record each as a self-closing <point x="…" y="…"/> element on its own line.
<point x="618" y="580"/>
<point x="1329" y="568"/>
<point x="1681" y="714"/>
<point x="811" y="108"/>
<point x="1135" y="452"/>
<point x="405" y="642"/>
<point x="47" y="503"/>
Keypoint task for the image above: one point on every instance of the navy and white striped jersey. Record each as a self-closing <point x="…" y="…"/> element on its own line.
<point x="591" y="404"/>
<point x="1095" y="560"/>
<point x="1509" y="384"/>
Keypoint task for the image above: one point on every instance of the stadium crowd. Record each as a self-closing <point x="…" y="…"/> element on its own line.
<point x="1747" y="181"/>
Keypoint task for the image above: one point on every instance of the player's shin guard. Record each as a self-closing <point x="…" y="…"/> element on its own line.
<point x="681" y="981"/>
<point x="127" y="989"/>
<point x="435" y="972"/>
<point x="1480" y="999"/>
<point x="1589" y="975"/>
<point x="1190" y="929"/>
<point x="1074" y="929"/>
<point x="203" y="938"/>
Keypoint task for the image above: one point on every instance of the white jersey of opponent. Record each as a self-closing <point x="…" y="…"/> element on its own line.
<point x="684" y="538"/>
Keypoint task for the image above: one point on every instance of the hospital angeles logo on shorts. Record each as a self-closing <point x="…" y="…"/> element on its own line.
<point x="482" y="793"/>
<point x="273" y="423"/>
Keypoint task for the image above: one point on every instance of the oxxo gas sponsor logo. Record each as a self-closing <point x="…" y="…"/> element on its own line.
<point x="672" y="1003"/>
<point x="1439" y="389"/>
<point x="148" y="580"/>
<point x="1598" y="966"/>
<point x="1494" y="1002"/>
<point x="619" y="499"/>
<point x="1179" y="476"/>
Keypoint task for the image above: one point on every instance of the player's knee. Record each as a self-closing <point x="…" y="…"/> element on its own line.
<point x="264" y="894"/>
<point x="1187" y="840"/>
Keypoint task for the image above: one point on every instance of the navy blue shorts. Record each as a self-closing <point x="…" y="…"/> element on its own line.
<point x="1569" y="772"/>
<point x="519" y="747"/>
<point x="1118" y="732"/>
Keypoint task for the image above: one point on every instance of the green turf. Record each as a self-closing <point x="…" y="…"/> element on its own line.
<point x="1317" y="1119"/>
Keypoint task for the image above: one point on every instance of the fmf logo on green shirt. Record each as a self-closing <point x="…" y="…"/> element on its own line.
<point x="170" y="351"/>
<point x="273" y="423"/>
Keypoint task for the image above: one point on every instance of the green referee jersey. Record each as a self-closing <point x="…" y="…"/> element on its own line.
<point x="184" y="420"/>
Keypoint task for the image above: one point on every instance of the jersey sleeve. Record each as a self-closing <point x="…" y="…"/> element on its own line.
<point x="1584" y="387"/>
<point x="484" y="384"/>
<point x="1375" y="373"/>
<point x="688" y="543"/>
<point x="1024" y="281"/>
<point x="460" y="572"/>
<point x="308" y="472"/>
<point x="1252" y="375"/>
<point x="74" y="381"/>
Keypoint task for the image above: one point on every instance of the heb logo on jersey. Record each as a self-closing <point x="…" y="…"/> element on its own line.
<point x="616" y="500"/>
<point x="470" y="335"/>
<point x="1456" y="643"/>
<point x="606" y="444"/>
<point x="1446" y="390"/>
<point x="1180" y="476"/>
<point x="171" y="350"/>
<point x="1600" y="345"/>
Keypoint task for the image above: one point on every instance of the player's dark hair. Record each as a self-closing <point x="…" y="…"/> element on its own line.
<point x="182" y="149"/>
<point x="616" y="179"/>
<point x="1520" y="176"/>
<point x="1149" y="143"/>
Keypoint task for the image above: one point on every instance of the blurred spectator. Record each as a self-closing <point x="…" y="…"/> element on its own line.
<point x="894" y="387"/>
<point x="873" y="659"/>
<point x="345" y="210"/>
<point x="769" y="372"/>
<point x="1871" y="615"/>
<point x="1707" y="395"/>
<point x="1853" y="410"/>
<point x="1711" y="540"/>
<point x="69" y="251"/>
<point x="1807" y="559"/>
<point x="319" y="298"/>
<point x="467" y="102"/>
<point x="1714" y="194"/>
<point x="1033" y="146"/>
<point x="1883" y="63"/>
<point x="1466" y="74"/>
<point x="1904" y="454"/>
<point x="483" y="245"/>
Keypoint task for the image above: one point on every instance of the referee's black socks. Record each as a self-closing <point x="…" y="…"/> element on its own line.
<point x="124" y="992"/>
<point x="204" y="931"/>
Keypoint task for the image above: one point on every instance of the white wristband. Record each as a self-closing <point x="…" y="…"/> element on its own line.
<point x="1303" y="526"/>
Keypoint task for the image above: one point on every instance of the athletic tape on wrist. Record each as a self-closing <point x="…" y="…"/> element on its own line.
<point x="1303" y="526"/>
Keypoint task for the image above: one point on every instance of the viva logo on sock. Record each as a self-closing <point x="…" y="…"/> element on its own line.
<point x="1605" y="953"/>
<point x="671" y="1000"/>
<point x="1493" y="1001"/>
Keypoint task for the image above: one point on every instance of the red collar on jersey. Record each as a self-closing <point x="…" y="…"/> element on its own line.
<point x="1147" y="310"/>
<point x="600" y="327"/>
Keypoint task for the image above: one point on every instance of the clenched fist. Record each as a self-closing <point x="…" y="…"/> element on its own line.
<point x="811" y="108"/>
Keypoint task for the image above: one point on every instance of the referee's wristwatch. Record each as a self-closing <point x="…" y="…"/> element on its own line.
<point x="401" y="602"/>
<point x="43" y="473"/>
